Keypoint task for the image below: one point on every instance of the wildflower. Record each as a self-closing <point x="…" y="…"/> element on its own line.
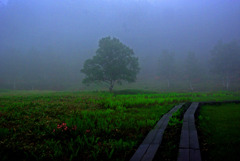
<point x="87" y="131"/>
<point x="64" y="124"/>
<point x="74" y="127"/>
<point x="65" y="128"/>
<point x="54" y="130"/>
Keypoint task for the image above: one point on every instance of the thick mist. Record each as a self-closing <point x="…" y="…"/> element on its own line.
<point x="43" y="44"/>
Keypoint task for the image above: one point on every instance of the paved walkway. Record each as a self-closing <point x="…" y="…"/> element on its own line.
<point x="147" y="150"/>
<point x="189" y="147"/>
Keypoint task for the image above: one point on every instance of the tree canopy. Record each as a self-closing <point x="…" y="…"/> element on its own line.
<point x="113" y="63"/>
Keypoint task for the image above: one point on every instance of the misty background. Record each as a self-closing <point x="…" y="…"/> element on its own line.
<point x="43" y="44"/>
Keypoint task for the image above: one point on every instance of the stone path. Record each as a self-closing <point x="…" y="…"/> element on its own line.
<point x="147" y="150"/>
<point x="189" y="147"/>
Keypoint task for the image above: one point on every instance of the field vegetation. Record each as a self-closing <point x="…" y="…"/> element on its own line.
<point x="171" y="137"/>
<point x="219" y="131"/>
<point x="84" y="125"/>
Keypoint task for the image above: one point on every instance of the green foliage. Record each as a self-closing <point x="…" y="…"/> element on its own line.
<point x="99" y="125"/>
<point x="171" y="137"/>
<point x="113" y="63"/>
<point x="219" y="127"/>
<point x="3" y="132"/>
<point x="133" y="91"/>
<point x="75" y="126"/>
<point x="174" y="120"/>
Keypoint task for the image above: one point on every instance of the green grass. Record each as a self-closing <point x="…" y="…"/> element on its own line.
<point x="99" y="125"/>
<point x="219" y="127"/>
<point x="168" y="150"/>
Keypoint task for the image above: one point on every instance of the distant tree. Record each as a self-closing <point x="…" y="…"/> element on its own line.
<point x="167" y="66"/>
<point x="225" y="61"/>
<point x="113" y="63"/>
<point x="191" y="68"/>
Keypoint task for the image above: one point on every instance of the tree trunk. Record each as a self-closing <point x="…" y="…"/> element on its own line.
<point x="190" y="85"/>
<point x="111" y="86"/>
<point x="227" y="82"/>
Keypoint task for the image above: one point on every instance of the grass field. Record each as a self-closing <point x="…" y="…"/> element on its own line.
<point x="168" y="150"/>
<point x="51" y="125"/>
<point x="219" y="132"/>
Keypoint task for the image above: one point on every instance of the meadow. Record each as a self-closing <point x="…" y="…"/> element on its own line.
<point x="219" y="131"/>
<point x="48" y="125"/>
<point x="171" y="138"/>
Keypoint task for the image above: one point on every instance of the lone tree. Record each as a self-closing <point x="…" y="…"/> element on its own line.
<point x="113" y="63"/>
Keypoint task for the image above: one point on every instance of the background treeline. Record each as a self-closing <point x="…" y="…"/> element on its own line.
<point x="38" y="70"/>
<point x="50" y="70"/>
<point x="43" y="44"/>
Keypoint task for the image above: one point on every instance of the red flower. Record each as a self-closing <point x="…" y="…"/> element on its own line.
<point x="74" y="127"/>
<point x="87" y="131"/>
<point x="59" y="126"/>
<point x="53" y="130"/>
<point x="64" y="124"/>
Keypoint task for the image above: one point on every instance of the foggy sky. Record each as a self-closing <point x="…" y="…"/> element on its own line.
<point x="71" y="29"/>
<point x="143" y="25"/>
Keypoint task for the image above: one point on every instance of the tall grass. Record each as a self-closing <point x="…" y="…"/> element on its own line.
<point x="83" y="125"/>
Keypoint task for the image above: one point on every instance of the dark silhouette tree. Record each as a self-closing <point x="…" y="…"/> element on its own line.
<point x="166" y="68"/>
<point x="113" y="63"/>
<point x="191" y="68"/>
<point x="225" y="61"/>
